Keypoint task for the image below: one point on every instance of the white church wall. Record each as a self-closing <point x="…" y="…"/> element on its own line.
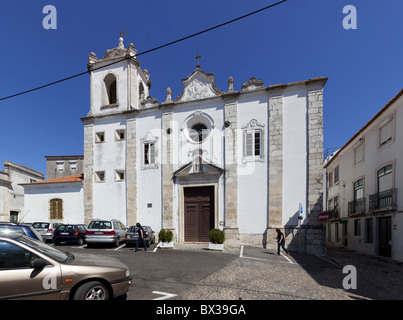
<point x="252" y="175"/>
<point x="109" y="156"/>
<point x="148" y="126"/>
<point x="294" y="155"/>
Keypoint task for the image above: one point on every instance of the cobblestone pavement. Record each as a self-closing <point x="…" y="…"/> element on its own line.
<point x="260" y="274"/>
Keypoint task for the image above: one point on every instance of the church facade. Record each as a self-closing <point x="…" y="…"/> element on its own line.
<point x="247" y="161"/>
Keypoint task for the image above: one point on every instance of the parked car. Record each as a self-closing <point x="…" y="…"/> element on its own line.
<point x="132" y="235"/>
<point x="71" y="233"/>
<point x="105" y="232"/>
<point x="21" y="229"/>
<point x="45" y="229"/>
<point x="30" y="269"/>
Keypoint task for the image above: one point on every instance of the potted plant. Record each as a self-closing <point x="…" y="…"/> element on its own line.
<point x="217" y="238"/>
<point x="165" y="238"/>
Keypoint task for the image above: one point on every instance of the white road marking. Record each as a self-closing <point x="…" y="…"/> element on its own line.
<point x="329" y="261"/>
<point x="165" y="295"/>
<point x="241" y="253"/>
<point x="157" y="246"/>
<point x="289" y="260"/>
<point x="123" y="245"/>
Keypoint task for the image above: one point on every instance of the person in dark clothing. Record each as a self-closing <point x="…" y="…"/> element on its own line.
<point x="141" y="237"/>
<point x="280" y="242"/>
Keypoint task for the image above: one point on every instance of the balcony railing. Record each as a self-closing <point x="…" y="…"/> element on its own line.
<point x="356" y="206"/>
<point x="383" y="200"/>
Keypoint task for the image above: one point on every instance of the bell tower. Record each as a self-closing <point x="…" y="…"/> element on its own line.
<point x="118" y="83"/>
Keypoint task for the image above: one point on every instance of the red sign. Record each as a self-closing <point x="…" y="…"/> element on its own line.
<point x="323" y="216"/>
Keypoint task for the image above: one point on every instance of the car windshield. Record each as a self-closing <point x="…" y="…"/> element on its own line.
<point x="66" y="228"/>
<point x="46" y="250"/>
<point x="41" y="225"/>
<point x="98" y="224"/>
<point x="12" y="229"/>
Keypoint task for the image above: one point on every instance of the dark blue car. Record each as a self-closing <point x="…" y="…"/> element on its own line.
<point x="71" y="233"/>
<point x="25" y="229"/>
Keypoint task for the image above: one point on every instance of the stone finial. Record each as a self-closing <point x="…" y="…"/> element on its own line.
<point x="169" y="96"/>
<point x="121" y="46"/>
<point x="147" y="74"/>
<point x="231" y="84"/>
<point x="92" y="58"/>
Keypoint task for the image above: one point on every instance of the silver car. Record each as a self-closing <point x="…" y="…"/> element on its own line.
<point x="45" y="229"/>
<point x="105" y="232"/>
<point x="30" y="269"/>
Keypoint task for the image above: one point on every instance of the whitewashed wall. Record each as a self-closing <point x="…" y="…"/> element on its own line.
<point x="37" y="197"/>
<point x="109" y="196"/>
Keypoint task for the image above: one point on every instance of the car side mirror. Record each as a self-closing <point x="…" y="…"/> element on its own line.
<point x="38" y="263"/>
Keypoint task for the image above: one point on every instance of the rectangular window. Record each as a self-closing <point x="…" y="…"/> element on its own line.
<point x="385" y="134"/>
<point x="330" y="179"/>
<point x="253" y="144"/>
<point x="100" y="137"/>
<point x="119" y="175"/>
<point x="357" y="227"/>
<point x="73" y="165"/>
<point x="369" y="236"/>
<point x="120" y="135"/>
<point x="60" y="165"/>
<point x="336" y="175"/>
<point x="56" y="209"/>
<point x="100" y="176"/>
<point x="359" y="153"/>
<point x="149" y="153"/>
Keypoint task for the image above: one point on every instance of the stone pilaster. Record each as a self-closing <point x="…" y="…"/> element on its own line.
<point x="131" y="171"/>
<point x="167" y="172"/>
<point x="88" y="169"/>
<point x="315" y="154"/>
<point x="275" y="160"/>
<point x="231" y="178"/>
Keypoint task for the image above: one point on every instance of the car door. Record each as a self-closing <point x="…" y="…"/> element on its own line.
<point x="20" y="281"/>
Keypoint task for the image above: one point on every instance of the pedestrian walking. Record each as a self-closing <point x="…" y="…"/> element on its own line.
<point x="280" y="242"/>
<point x="141" y="237"/>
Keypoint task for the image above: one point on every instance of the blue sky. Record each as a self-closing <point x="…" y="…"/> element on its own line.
<point x="297" y="40"/>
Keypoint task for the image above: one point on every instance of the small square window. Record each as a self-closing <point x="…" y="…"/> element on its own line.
<point x="120" y="135"/>
<point x="119" y="175"/>
<point x="100" y="137"/>
<point x="100" y="176"/>
<point x="60" y="165"/>
<point x="73" y="165"/>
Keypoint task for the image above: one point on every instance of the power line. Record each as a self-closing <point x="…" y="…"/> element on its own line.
<point x="147" y="51"/>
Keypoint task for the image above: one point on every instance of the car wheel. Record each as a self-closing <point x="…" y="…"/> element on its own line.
<point x="147" y="243"/>
<point x="80" y="241"/>
<point x="117" y="242"/>
<point x="93" y="290"/>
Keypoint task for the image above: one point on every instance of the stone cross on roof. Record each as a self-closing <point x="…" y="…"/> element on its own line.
<point x="198" y="60"/>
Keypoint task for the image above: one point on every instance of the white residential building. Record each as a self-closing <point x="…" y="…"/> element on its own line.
<point x="12" y="206"/>
<point x="364" y="184"/>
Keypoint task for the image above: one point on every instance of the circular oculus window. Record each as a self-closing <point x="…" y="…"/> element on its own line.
<point x="198" y="129"/>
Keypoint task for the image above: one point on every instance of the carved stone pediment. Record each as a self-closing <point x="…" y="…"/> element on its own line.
<point x="114" y="53"/>
<point x="199" y="85"/>
<point x="149" y="102"/>
<point x="252" y="84"/>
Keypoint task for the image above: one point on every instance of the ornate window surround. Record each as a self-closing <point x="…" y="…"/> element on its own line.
<point x="253" y="127"/>
<point x="149" y="139"/>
